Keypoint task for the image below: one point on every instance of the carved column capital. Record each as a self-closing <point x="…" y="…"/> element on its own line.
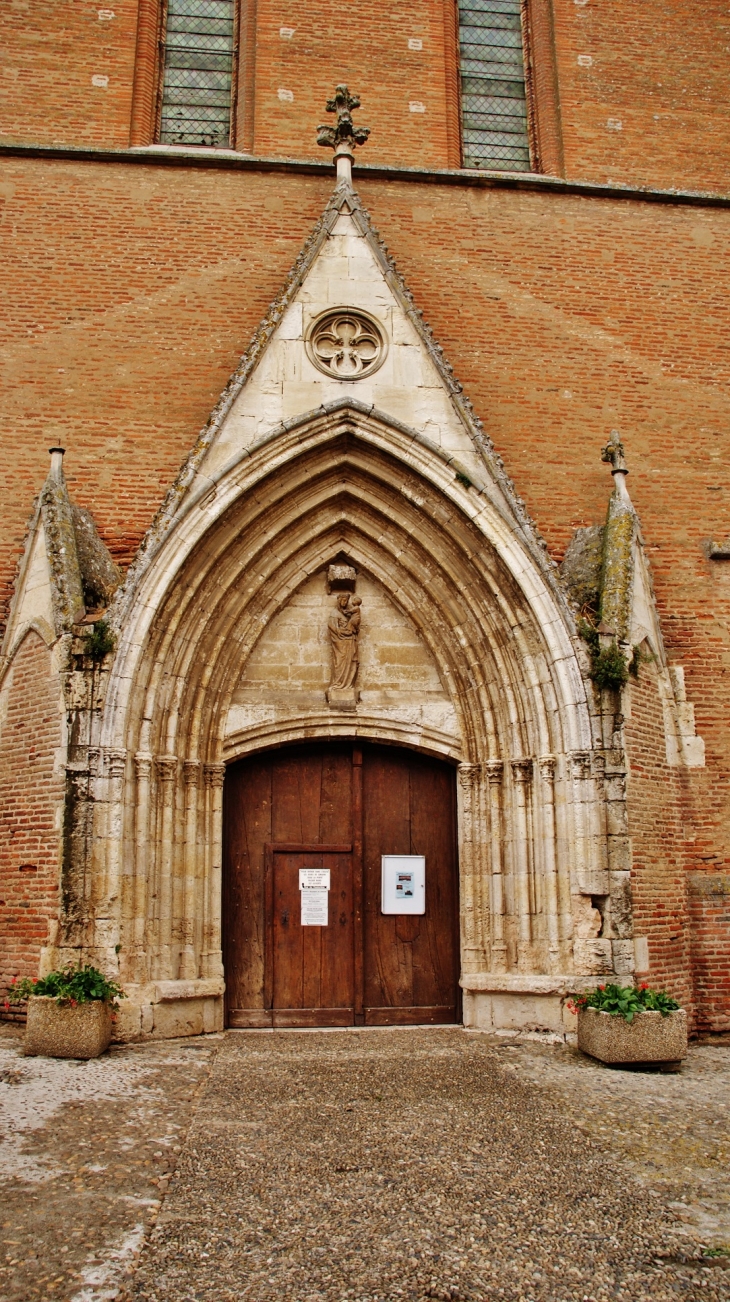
<point x="166" y="766"/>
<point x="468" y="776"/>
<point x="547" y="765"/>
<point x="191" y="772"/>
<point x="522" y="770"/>
<point x="581" y="764"/>
<point x="116" y="761"/>
<point x="214" y="774"/>
<point x="143" y="765"/>
<point x="494" y="770"/>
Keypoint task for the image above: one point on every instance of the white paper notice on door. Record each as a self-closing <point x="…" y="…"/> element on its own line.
<point x="315" y="911"/>
<point x="314" y="879"/>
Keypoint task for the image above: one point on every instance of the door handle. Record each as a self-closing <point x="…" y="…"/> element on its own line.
<point x="285" y="918"/>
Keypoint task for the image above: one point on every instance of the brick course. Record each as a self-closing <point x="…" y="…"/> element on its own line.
<point x="627" y="101"/>
<point x="30" y="734"/>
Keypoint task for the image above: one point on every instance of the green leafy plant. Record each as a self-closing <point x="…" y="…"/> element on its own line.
<point x="609" y="669"/>
<point x="72" y="985"/>
<point x="625" y="1001"/>
<point x="100" y="641"/>
<point x="608" y="664"/>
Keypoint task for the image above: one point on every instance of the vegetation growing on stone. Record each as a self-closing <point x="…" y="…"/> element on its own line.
<point x="101" y="641"/>
<point x="608" y="664"/>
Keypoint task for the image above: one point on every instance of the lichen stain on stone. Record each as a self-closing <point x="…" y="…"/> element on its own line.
<point x="617" y="574"/>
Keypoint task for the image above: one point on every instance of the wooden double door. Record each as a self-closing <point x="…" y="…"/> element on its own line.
<point x="338" y="807"/>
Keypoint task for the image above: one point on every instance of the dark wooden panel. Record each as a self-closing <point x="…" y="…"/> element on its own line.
<point x="386" y="830"/>
<point x="312" y="966"/>
<point x="411" y="963"/>
<point x="312" y="1017"/>
<point x="417" y="1016"/>
<point x="247" y="822"/>
<point x="433" y="834"/>
<point x="354" y="803"/>
<point x="242" y="1018"/>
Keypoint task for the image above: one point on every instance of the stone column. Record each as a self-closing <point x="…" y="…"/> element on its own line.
<point x="142" y="834"/>
<point x="213" y="775"/>
<point x="167" y="768"/>
<point x="522" y="777"/>
<point x="188" y="960"/>
<point x="116" y="769"/>
<point x="494" y="771"/>
<point x="472" y="951"/>
<point x="546" y="765"/>
<point x="580" y="772"/>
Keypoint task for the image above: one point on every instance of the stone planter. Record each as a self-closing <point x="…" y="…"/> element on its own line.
<point x="649" y="1038"/>
<point x="64" y="1031"/>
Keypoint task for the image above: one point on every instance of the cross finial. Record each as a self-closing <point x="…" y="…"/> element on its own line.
<point x="343" y="137"/>
<point x="613" y="455"/>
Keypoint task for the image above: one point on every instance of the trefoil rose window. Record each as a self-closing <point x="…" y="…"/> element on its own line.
<point x="346" y="343"/>
<point x="198" y="73"/>
<point x="493" y="99"/>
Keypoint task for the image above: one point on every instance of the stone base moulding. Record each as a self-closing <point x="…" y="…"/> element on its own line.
<point x="164" y="1010"/>
<point x="648" y="1038"/>
<point x="56" y="1030"/>
<point x="523" y="1001"/>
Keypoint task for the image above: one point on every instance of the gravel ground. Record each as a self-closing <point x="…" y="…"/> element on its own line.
<point x="85" y="1152"/>
<point x="364" y="1165"/>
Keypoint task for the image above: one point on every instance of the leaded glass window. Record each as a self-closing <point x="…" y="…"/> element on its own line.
<point x="197" y="75"/>
<point x="493" y="104"/>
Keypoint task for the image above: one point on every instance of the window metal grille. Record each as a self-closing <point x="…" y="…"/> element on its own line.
<point x="493" y="104"/>
<point x="197" y="77"/>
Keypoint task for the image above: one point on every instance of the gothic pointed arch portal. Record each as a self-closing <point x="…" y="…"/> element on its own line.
<point x="509" y="705"/>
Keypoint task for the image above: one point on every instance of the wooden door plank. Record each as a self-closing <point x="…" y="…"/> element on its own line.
<point x="358" y="898"/>
<point x="411" y="962"/>
<point x="415" y="1016"/>
<point x="312" y="966"/>
<point x="307" y="847"/>
<point x="247" y="822"/>
<point x="386" y="830"/>
<point x="435" y="948"/>
<point x="293" y="1017"/>
<point x="335" y="812"/>
<point x="249" y="1018"/>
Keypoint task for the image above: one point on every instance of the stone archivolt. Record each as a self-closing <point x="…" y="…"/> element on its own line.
<point x="529" y="826"/>
<point x="422" y="508"/>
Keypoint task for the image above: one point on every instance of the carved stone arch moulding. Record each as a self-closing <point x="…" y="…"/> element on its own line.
<point x="531" y="812"/>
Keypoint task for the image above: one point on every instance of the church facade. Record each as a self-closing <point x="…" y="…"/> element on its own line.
<point x="354" y="679"/>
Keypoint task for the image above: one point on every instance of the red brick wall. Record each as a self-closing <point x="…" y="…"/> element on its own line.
<point x="643" y="92"/>
<point x="377" y="63"/>
<point x="658" y="70"/>
<point x="656" y="827"/>
<point x="30" y="796"/>
<point x="709" y="902"/>
<point x="51" y="50"/>
<point x="135" y="289"/>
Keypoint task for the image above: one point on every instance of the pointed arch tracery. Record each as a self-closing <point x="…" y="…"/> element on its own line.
<point x="241" y="546"/>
